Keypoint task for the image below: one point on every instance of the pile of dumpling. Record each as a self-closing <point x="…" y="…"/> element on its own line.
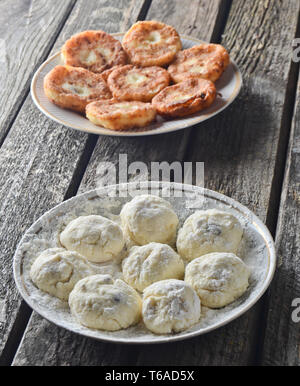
<point x="166" y="275"/>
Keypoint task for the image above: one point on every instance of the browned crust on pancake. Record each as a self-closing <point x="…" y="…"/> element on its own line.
<point x="120" y="119"/>
<point x="143" y="52"/>
<point x="200" y="94"/>
<point x="213" y="58"/>
<point x="91" y="41"/>
<point x="157" y="79"/>
<point x="54" y="80"/>
<point x="105" y="74"/>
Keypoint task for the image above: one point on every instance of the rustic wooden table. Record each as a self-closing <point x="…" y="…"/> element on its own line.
<point x="251" y="153"/>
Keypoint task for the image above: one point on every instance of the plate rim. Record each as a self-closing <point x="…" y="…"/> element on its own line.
<point x="261" y="227"/>
<point x="116" y="133"/>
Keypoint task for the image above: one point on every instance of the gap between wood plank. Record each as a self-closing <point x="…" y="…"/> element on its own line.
<point x="92" y="140"/>
<point x="16" y="334"/>
<point x="46" y="54"/>
<point x="274" y="199"/>
<point x="145" y="8"/>
<point x="277" y="184"/>
<point x="216" y="38"/>
<point x="25" y="311"/>
<point x="221" y="21"/>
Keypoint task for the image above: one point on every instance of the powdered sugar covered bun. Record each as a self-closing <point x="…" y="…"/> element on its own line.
<point x="170" y="306"/>
<point x="218" y="278"/>
<point x="56" y="271"/>
<point x="97" y="238"/>
<point x="209" y="231"/>
<point x="150" y="263"/>
<point x="102" y="303"/>
<point x="149" y="218"/>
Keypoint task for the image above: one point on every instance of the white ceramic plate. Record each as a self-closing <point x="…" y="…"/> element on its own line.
<point x="257" y="251"/>
<point x="228" y="86"/>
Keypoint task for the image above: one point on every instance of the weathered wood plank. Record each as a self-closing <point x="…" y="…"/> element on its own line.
<point x="237" y="163"/>
<point x="67" y="348"/>
<point x="40" y="161"/>
<point x="282" y="336"/>
<point x="205" y="24"/>
<point x="28" y="30"/>
<point x="240" y="149"/>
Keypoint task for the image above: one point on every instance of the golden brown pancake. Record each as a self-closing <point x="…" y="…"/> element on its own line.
<point x="95" y="51"/>
<point x="206" y="61"/>
<point x="73" y="87"/>
<point x="185" y="98"/>
<point x="151" y="43"/>
<point x="120" y="115"/>
<point x="132" y="83"/>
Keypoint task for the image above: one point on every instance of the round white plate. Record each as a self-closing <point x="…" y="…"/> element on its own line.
<point x="228" y="87"/>
<point x="257" y="251"/>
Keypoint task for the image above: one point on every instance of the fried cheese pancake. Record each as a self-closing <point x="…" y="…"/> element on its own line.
<point x="73" y="87"/>
<point x="105" y="74"/>
<point x="94" y="50"/>
<point x="151" y="43"/>
<point x="118" y="115"/>
<point x="185" y="98"/>
<point x="132" y="83"/>
<point x="206" y="61"/>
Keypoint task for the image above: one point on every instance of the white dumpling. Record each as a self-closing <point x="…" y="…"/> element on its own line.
<point x="95" y="237"/>
<point x="170" y="306"/>
<point x="56" y="271"/>
<point x="218" y="278"/>
<point x="102" y="303"/>
<point x="150" y="263"/>
<point x="207" y="231"/>
<point x="148" y="218"/>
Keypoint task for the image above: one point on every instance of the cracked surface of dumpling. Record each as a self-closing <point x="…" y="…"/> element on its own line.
<point x="150" y="263"/>
<point x="102" y="303"/>
<point x="207" y="231"/>
<point x="151" y="43"/>
<point x="149" y="218"/>
<point x="95" y="237"/>
<point x="170" y="306"/>
<point x="218" y="278"/>
<point x="56" y="271"/>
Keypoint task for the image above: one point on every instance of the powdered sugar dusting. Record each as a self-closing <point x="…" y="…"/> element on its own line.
<point x="256" y="250"/>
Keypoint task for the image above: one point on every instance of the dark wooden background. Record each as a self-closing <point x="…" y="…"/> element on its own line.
<point x="251" y="152"/>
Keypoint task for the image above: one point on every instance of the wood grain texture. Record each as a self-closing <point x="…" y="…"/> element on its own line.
<point x="282" y="337"/>
<point x="199" y="18"/>
<point x="242" y="146"/>
<point x="240" y="149"/>
<point x="205" y="25"/>
<point x="27" y="30"/>
<point x="68" y="348"/>
<point x="39" y="160"/>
